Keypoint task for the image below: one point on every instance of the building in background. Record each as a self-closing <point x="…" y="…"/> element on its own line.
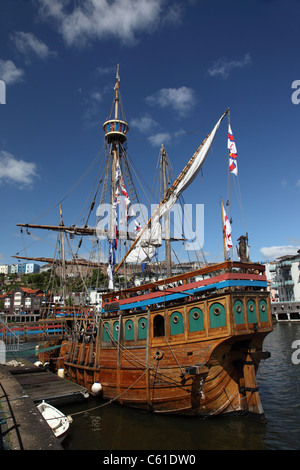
<point x="23" y="304"/>
<point x="286" y="284"/>
<point x="32" y="268"/>
<point x="23" y="268"/>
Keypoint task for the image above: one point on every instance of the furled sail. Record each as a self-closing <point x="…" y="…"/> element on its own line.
<point x="145" y="245"/>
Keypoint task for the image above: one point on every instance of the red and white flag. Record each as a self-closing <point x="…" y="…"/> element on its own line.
<point x="232" y="152"/>
<point x="227" y="230"/>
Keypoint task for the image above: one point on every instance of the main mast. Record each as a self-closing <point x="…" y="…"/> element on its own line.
<point x="115" y="129"/>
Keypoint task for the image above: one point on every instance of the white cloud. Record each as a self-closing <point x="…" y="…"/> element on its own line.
<point x="16" y="171"/>
<point x="9" y="73"/>
<point x="273" y="252"/>
<point x="91" y="103"/>
<point x="222" y="67"/>
<point x="180" y="99"/>
<point x="96" y="96"/>
<point x="147" y="125"/>
<point x="105" y="70"/>
<point x="144" y="124"/>
<point x="160" y="138"/>
<point x="28" y="44"/>
<point x="97" y="19"/>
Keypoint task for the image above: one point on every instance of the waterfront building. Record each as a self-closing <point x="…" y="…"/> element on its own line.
<point x="4" y="269"/>
<point x="271" y="279"/>
<point x="32" y="268"/>
<point x="286" y="284"/>
<point x="23" y="268"/>
<point x="95" y="298"/>
<point x="287" y="278"/>
<point x="23" y="304"/>
<point x="12" y="269"/>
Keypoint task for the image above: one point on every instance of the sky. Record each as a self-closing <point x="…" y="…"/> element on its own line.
<point x="182" y="64"/>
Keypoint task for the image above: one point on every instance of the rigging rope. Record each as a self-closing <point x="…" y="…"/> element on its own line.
<point x="71" y="189"/>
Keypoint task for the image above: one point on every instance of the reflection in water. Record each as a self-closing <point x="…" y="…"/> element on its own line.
<point x="279" y="382"/>
<point x="113" y="427"/>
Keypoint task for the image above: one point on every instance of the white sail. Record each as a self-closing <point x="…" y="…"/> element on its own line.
<point x="144" y="247"/>
<point x="147" y="243"/>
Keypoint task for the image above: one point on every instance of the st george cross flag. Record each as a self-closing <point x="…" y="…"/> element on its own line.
<point x="232" y="152"/>
<point x="227" y="230"/>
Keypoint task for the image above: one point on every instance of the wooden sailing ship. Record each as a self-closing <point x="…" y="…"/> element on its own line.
<point x="188" y="344"/>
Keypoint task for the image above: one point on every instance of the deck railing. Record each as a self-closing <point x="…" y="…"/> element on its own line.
<point x="44" y="329"/>
<point x="11" y="340"/>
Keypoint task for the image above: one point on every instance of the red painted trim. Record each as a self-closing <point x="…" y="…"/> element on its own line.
<point x="193" y="285"/>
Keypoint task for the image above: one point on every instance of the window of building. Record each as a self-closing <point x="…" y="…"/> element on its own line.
<point x="17" y="298"/>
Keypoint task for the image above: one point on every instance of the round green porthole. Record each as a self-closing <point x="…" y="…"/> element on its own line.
<point x="196" y="319"/>
<point x="116" y="330"/>
<point x="217" y="316"/>
<point x="142" y="328"/>
<point x="263" y="310"/>
<point x="129" y="330"/>
<point x="217" y="311"/>
<point x="176" y="323"/>
<point x="238" y="309"/>
<point x="251" y="311"/>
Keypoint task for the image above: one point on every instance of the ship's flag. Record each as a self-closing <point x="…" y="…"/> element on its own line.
<point x="227" y="230"/>
<point x="137" y="226"/>
<point x="111" y="265"/>
<point x="232" y="152"/>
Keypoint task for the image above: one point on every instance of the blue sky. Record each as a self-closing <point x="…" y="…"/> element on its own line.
<point x="182" y="63"/>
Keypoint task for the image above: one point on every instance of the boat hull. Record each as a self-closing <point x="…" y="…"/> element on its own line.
<point x="55" y="419"/>
<point x="196" y="358"/>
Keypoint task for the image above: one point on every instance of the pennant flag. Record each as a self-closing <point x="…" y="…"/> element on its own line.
<point x="137" y="226"/>
<point x="227" y="230"/>
<point x="111" y="265"/>
<point x="232" y="152"/>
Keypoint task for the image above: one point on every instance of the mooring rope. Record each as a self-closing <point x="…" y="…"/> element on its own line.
<point x="118" y="396"/>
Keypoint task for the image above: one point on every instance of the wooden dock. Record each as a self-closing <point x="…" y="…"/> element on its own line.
<point x="40" y="384"/>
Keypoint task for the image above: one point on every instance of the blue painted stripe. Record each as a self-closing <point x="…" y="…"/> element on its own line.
<point x="178" y="295"/>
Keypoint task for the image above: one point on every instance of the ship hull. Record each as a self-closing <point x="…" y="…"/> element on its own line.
<point x="195" y="358"/>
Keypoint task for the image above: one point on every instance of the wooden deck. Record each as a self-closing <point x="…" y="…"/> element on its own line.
<point x="41" y="384"/>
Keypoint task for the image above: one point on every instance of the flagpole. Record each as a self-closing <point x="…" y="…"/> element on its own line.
<point x="223" y="230"/>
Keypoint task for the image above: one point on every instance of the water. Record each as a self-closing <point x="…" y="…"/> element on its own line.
<point x="113" y="427"/>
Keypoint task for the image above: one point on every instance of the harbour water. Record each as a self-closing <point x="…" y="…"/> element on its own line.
<point x="100" y="426"/>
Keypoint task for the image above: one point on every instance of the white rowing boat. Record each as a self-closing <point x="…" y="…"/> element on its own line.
<point x="58" y="422"/>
